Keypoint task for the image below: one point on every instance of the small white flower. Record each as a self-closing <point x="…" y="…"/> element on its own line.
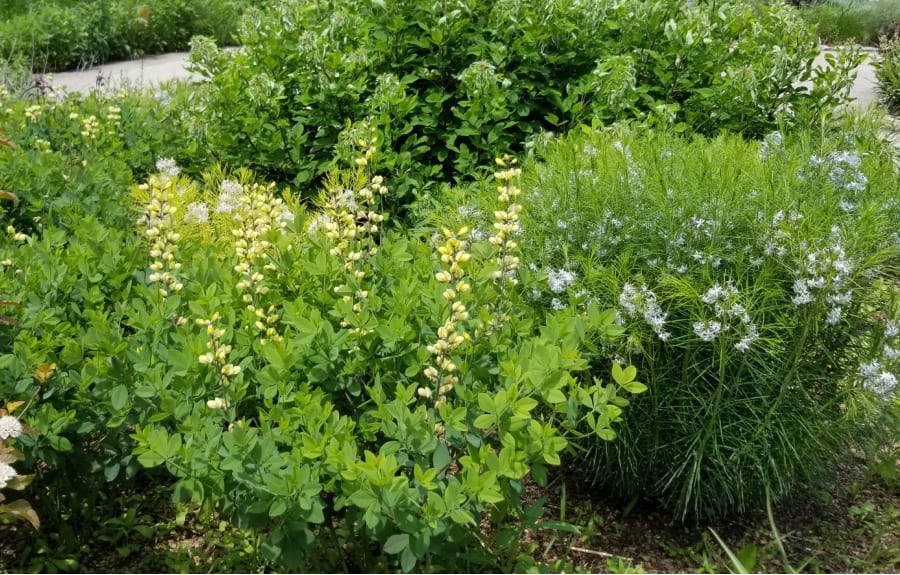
<point x="217" y="403"/>
<point x="7" y="474"/>
<point x="167" y="167"/>
<point x="560" y="280"/>
<point x="707" y="330"/>
<point x="10" y="427"/>
<point x="556" y="304"/>
<point x="197" y="213"/>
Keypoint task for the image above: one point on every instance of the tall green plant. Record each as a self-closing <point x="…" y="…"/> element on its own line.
<point x="755" y="282"/>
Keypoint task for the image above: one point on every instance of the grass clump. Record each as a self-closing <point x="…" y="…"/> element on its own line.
<point x="756" y="283"/>
<point x="888" y="73"/>
<point x="854" y="21"/>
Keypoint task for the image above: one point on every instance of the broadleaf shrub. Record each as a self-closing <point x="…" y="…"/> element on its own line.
<point x="452" y="83"/>
<point x="360" y="396"/>
<point x="757" y="285"/>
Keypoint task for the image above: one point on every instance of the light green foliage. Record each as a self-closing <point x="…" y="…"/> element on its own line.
<point x="328" y="432"/>
<point x="755" y="284"/>
<point x="887" y="70"/>
<point x="317" y="433"/>
<point x="75" y="156"/>
<point x="860" y="21"/>
<point x="453" y="83"/>
<point x="54" y="35"/>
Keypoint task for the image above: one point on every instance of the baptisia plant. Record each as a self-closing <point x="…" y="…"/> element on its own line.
<point x="403" y="393"/>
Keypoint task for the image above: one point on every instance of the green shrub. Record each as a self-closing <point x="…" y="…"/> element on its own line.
<point x="361" y="397"/>
<point x="454" y="83"/>
<point x="56" y="36"/>
<point x="74" y="157"/>
<point x="887" y="71"/>
<point x="854" y="21"/>
<point x="757" y="285"/>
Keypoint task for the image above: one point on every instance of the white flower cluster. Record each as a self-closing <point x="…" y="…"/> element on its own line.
<point x="7" y="474"/>
<point x="825" y="271"/>
<point x="230" y="194"/>
<point x="730" y="314"/>
<point x="560" y="280"/>
<point x="442" y="374"/>
<point x="197" y="213"/>
<point x="217" y="355"/>
<point x="10" y="427"/>
<point x="877" y="380"/>
<point x="771" y="143"/>
<point x="167" y="169"/>
<point x="159" y="229"/>
<point x="891" y="331"/>
<point x="642" y="302"/>
<point x="843" y="173"/>
<point x="90" y="127"/>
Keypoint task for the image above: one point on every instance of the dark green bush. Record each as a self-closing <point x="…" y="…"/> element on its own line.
<point x="453" y="82"/>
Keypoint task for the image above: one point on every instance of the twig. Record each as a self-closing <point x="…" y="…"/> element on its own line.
<point x="598" y="553"/>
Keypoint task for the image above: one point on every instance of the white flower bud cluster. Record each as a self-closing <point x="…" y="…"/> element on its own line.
<point x="158" y="223"/>
<point x="7" y="474"/>
<point x="442" y="374"/>
<point x="90" y="127"/>
<point x="16" y="235"/>
<point x="350" y="220"/>
<point x="506" y="219"/>
<point x="217" y="356"/>
<point x="33" y="112"/>
<point x="258" y="213"/>
<point x="114" y="115"/>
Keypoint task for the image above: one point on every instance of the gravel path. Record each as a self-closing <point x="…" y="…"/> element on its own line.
<point x="147" y="71"/>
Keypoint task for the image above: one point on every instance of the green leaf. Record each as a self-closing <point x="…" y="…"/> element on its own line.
<point x="118" y="397"/>
<point x="635" y="387"/>
<point x="407" y="560"/>
<point x="623" y="377"/>
<point x="462" y="517"/>
<point x="396" y="544"/>
<point x="278" y="507"/>
<point x="441" y="458"/>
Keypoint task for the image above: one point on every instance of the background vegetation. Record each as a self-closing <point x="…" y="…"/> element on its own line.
<point x="49" y="36"/>
<point x="862" y="21"/>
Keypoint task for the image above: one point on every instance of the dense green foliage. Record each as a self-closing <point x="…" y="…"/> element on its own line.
<point x="756" y="283"/>
<point x="52" y="35"/>
<point x="344" y="384"/>
<point x="452" y="83"/>
<point x="887" y="70"/>
<point x="333" y="377"/>
<point x="848" y="21"/>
